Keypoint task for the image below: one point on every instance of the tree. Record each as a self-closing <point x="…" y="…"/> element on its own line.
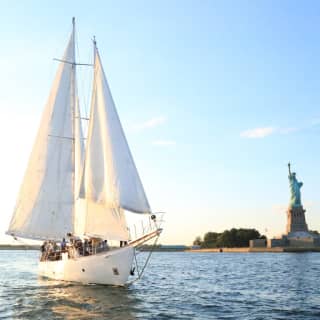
<point x="210" y="239"/>
<point x="197" y="241"/>
<point x="229" y="238"/>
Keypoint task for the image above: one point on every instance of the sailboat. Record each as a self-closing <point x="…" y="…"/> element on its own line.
<point x="74" y="194"/>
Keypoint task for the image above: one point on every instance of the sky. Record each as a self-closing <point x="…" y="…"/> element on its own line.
<point x="215" y="98"/>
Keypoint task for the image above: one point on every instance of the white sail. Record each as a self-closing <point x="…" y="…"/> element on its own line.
<point x="110" y="175"/>
<point x="110" y="182"/>
<point x="44" y="208"/>
<point x="98" y="220"/>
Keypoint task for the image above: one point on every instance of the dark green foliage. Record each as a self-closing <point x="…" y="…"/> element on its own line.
<point x="229" y="238"/>
<point x="197" y="241"/>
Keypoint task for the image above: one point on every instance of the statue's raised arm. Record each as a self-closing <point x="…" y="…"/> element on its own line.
<point x="289" y="167"/>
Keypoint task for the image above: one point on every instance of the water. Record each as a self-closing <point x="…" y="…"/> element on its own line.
<point x="175" y="286"/>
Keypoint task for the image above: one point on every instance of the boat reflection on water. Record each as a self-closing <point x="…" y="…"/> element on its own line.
<point x="74" y="301"/>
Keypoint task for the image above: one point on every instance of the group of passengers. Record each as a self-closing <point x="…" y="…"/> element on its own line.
<point x="50" y="250"/>
<point x="89" y="246"/>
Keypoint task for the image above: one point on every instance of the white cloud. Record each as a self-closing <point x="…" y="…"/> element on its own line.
<point x="258" y="132"/>
<point x="164" y="143"/>
<point x="151" y="123"/>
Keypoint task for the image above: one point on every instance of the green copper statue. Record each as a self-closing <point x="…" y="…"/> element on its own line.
<point x="295" y="186"/>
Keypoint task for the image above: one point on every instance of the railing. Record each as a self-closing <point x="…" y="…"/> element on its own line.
<point x="146" y="227"/>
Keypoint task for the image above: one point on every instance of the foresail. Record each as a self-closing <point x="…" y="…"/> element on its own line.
<point x="44" y="208"/>
<point x="110" y="175"/>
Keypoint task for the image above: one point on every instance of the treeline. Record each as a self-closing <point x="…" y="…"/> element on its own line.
<point x="233" y="238"/>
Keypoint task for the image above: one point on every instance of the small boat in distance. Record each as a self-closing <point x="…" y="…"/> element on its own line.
<point x="74" y="194"/>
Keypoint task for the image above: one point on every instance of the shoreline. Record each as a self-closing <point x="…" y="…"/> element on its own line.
<point x="208" y="250"/>
<point x="256" y="250"/>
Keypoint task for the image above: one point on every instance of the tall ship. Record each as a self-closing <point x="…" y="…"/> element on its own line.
<point x="76" y="190"/>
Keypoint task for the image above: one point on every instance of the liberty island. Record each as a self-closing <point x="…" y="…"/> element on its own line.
<point x="297" y="233"/>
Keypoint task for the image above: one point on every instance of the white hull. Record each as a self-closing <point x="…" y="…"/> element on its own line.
<point x="110" y="267"/>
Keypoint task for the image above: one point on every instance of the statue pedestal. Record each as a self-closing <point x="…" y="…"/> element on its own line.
<point x="296" y="221"/>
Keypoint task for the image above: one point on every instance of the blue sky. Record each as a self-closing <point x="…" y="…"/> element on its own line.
<point x="215" y="98"/>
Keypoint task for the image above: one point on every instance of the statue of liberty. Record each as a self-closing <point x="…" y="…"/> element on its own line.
<point x="295" y="186"/>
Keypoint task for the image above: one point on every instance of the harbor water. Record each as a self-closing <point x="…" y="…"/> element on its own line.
<point x="175" y="286"/>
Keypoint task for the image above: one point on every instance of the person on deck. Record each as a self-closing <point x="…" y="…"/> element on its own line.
<point x="85" y="247"/>
<point x="79" y="246"/>
<point x="43" y="251"/>
<point x="105" y="245"/>
<point x="63" y="245"/>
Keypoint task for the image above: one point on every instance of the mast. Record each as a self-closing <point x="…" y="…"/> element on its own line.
<point x="94" y="48"/>
<point x="73" y="115"/>
<point x="78" y="149"/>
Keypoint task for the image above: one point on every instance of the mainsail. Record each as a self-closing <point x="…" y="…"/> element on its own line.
<point x="65" y="190"/>
<point x="44" y="208"/>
